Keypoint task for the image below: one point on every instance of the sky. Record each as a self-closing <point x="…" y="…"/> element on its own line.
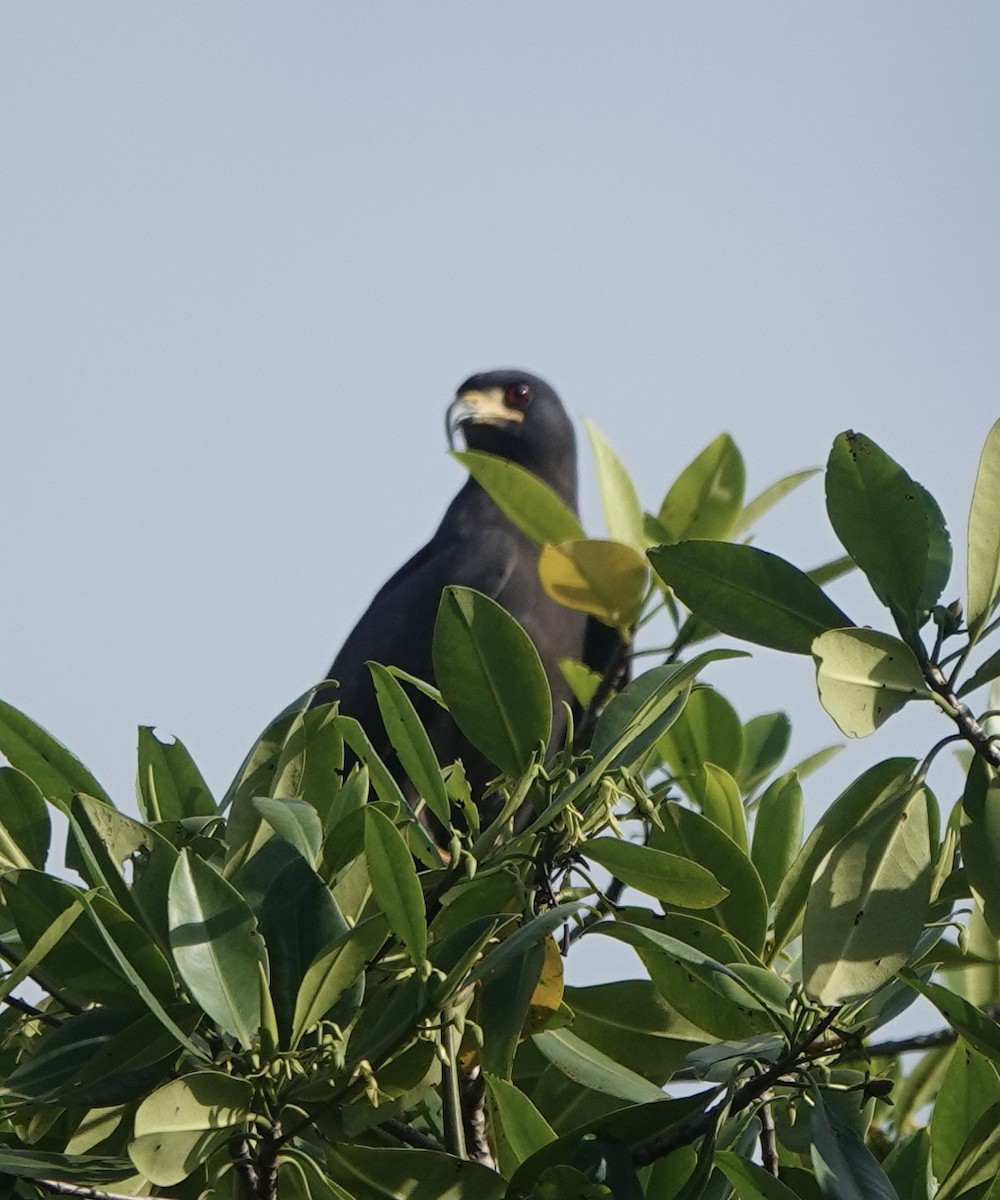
<point x="248" y="251"/>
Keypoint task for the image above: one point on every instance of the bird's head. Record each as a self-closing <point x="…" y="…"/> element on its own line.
<point x="519" y="417"/>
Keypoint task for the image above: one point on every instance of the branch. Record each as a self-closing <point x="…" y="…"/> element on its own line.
<point x="961" y="714"/>
<point x="59" y="1188"/>
<point x="700" y="1124"/>
<point x="409" y="1136"/>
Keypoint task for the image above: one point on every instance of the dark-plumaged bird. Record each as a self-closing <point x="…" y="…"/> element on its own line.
<point x="518" y="417"/>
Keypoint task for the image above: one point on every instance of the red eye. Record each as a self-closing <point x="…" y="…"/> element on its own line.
<point x="518" y="395"/>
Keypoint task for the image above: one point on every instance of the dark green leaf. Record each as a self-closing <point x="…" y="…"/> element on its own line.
<point x="387" y="1174"/>
<point x="707" y="731"/>
<point x="519" y="1128"/>
<point x="765" y="742"/>
<point x="395" y="884"/>
<point x="978" y="1161"/>
<point x="980" y="836"/>
<point x="589" y="1067"/>
<point x="503" y="1007"/>
<point x="777" y="831"/>
<point x="298" y="919"/>
<point x="844" y="1166"/>
<point x="334" y="970"/>
<point x="216" y="946"/>
<point x="24" y="821"/>
<point x="410" y="741"/>
<point x="56" y="772"/>
<point x="979" y="1030"/>
<point x="891" y="527"/>
<point x="743" y="912"/>
<point x="629" y="1020"/>
<point x="169" y="785"/>
<point x="751" y="1182"/>
<point x="748" y="593"/>
<point x="970" y="1086"/>
<point x="985" y="673"/>
<point x="295" y="822"/>
<point x="908" y="1166"/>
<point x="664" y="876"/>
<point x="492" y="678"/>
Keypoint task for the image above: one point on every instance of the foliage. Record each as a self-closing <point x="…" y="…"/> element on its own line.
<point x="297" y="990"/>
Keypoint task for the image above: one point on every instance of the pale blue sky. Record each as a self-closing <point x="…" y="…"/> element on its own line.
<point x="248" y="251"/>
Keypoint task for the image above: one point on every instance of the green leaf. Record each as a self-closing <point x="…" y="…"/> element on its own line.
<point x="986" y="672"/>
<point x="335" y="969"/>
<point x="845" y="1168"/>
<point x="258" y="770"/>
<point x="664" y="876"/>
<point x="891" y="527"/>
<point x="748" y="593"/>
<point x="298" y="919"/>
<point x="622" y="510"/>
<point x="492" y="678"/>
<point x="721" y="803"/>
<point x="693" y="979"/>
<point x="178" y="1125"/>
<point x="707" y="731"/>
<point x="387" y="1174"/>
<point x="81" y="962"/>
<point x="908" y="1166"/>
<point x="522" y="497"/>
<point x="605" y="579"/>
<point x="410" y="741"/>
<point x="777" y="831"/>
<point x="979" y="1030"/>
<point x="978" y="1161"/>
<point x="295" y="822"/>
<point x="765" y="743"/>
<point x="520" y="1129"/>
<point x="503" y="1006"/>
<point x="630" y="1021"/>
<point x="395" y="884"/>
<point x="864" y="677"/>
<point x="869" y="790"/>
<point x="98" y="1058"/>
<point x="706" y="498"/>
<point x="768" y="498"/>
<point x="743" y="912"/>
<point x="216" y="947"/>
<point x="168" y="784"/>
<point x="984" y="538"/>
<point x="970" y="1087"/>
<point x="587" y="1066"/>
<point x="24" y="821"/>
<point x="85" y="1169"/>
<point x="750" y="1181"/>
<point x="56" y="772"/>
<point x="980" y="837"/>
<point x="868" y="904"/>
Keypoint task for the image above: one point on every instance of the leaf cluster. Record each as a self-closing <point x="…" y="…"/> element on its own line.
<point x="296" y="990"/>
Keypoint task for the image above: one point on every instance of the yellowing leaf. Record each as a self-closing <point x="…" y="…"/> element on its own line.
<point x="605" y="579"/>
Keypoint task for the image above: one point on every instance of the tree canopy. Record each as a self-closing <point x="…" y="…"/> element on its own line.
<point x="295" y="990"/>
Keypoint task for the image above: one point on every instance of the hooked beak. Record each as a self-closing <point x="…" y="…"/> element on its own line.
<point x="479" y="408"/>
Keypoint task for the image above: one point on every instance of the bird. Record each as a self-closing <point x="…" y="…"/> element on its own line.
<point x="518" y="417"/>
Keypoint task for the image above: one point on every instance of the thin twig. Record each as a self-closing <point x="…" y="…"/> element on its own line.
<point x="697" y="1126"/>
<point x="409" y="1136"/>
<point x="60" y="1188"/>
<point x="768" y="1142"/>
